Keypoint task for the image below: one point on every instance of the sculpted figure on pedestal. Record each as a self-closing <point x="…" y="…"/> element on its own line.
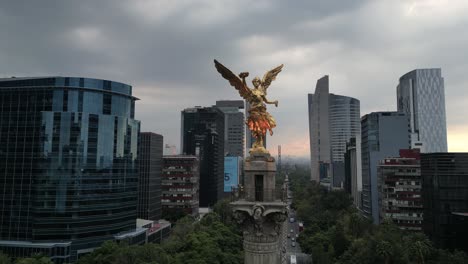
<point x="259" y="121"/>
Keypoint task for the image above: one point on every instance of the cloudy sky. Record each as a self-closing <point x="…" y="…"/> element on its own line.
<point x="165" y="50"/>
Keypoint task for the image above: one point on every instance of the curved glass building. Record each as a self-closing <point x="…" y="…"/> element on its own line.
<point x="68" y="149"/>
<point x="333" y="121"/>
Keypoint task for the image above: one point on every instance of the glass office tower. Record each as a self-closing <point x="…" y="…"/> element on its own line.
<point x="333" y="121"/>
<point x="421" y="95"/>
<point x="202" y="135"/>
<point x="67" y="164"/>
<point x="383" y="135"/>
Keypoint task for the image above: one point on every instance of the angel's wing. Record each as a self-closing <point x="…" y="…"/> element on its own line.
<point x="270" y="76"/>
<point x="235" y="81"/>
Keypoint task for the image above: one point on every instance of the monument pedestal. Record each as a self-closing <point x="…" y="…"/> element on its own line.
<point x="260" y="210"/>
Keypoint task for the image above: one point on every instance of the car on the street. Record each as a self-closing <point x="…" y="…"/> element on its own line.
<point x="293" y="239"/>
<point x="292" y="231"/>
<point x="289" y="235"/>
<point x="293" y="244"/>
<point x="293" y="259"/>
<point x="297" y="235"/>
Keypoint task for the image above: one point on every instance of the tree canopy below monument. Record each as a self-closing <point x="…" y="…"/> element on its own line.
<point x="335" y="232"/>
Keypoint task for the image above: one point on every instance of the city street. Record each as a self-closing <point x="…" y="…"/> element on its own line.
<point x="287" y="242"/>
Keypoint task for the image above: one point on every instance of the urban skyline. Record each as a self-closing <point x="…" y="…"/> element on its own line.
<point x="170" y="73"/>
<point x="95" y="95"/>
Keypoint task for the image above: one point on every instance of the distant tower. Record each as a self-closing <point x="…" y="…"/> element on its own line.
<point x="279" y="159"/>
<point x="234" y="127"/>
<point x="333" y="120"/>
<point x="170" y="149"/>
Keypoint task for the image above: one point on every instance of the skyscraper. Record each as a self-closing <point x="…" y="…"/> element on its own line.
<point x="383" y="135"/>
<point x="203" y="136"/>
<point x="68" y="150"/>
<point x="333" y="120"/>
<point x="420" y="94"/>
<point x="234" y="127"/>
<point x="445" y="198"/>
<point x="150" y="152"/>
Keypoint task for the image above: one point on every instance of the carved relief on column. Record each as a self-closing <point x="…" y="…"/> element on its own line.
<point x="260" y="223"/>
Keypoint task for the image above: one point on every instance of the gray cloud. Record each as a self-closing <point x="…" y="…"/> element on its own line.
<point x="165" y="49"/>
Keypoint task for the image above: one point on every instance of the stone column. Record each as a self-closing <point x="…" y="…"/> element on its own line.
<point x="260" y="212"/>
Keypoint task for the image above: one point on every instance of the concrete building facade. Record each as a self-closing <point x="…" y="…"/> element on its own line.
<point x="180" y="185"/>
<point x="400" y="190"/>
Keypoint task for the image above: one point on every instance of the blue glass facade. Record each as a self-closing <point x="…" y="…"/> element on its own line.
<point x="68" y="149"/>
<point x="383" y="135"/>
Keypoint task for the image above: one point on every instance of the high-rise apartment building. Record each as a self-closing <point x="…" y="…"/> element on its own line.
<point x="445" y="198"/>
<point x="420" y="94"/>
<point x="383" y="135"/>
<point x="234" y="127"/>
<point x="399" y="183"/>
<point x="150" y="152"/>
<point x="68" y="150"/>
<point x="203" y="136"/>
<point x="333" y="120"/>
<point x="180" y="185"/>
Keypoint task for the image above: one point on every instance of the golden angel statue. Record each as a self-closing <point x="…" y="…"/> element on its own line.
<point x="259" y="120"/>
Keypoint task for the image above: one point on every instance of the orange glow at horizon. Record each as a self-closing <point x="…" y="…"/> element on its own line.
<point x="296" y="147"/>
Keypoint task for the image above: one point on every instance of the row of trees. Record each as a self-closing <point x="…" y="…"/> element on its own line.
<point x="4" y="259"/>
<point x="335" y="232"/>
<point x="214" y="239"/>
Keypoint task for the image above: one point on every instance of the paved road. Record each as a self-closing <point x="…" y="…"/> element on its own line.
<point x="286" y="243"/>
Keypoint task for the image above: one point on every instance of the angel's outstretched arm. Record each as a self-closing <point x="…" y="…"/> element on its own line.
<point x="243" y="75"/>
<point x="270" y="102"/>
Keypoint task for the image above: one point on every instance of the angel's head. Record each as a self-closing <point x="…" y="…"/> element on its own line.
<point x="256" y="82"/>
